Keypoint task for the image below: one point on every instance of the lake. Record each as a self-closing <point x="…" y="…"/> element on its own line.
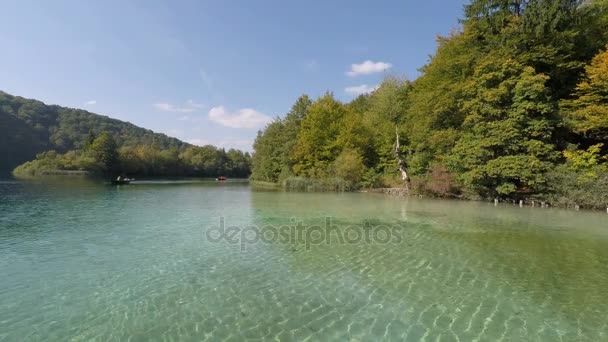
<point x="209" y="261"/>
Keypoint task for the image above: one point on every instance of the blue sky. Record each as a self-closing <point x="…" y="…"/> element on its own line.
<point x="211" y="71"/>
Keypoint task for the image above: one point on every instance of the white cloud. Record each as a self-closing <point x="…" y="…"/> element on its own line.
<point x="367" y="67"/>
<point x="199" y="142"/>
<point x="189" y="107"/>
<point x="166" y="107"/>
<point x="243" y="118"/>
<point x="90" y="103"/>
<point x="362" y="89"/>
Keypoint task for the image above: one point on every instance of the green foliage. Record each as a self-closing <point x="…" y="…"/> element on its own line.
<point x="319" y="185"/>
<point x="587" y="163"/>
<point x="292" y="123"/>
<point x="19" y="142"/>
<point x="506" y="141"/>
<point x="385" y="109"/>
<point x="269" y="146"/>
<point x="502" y="95"/>
<point x="103" y="150"/>
<point x="274" y="146"/>
<point x="51" y="162"/>
<point x="570" y="188"/>
<point x="142" y="160"/>
<point x="349" y="166"/>
<point x="29" y="127"/>
<point x="587" y="113"/>
<point x="89" y="139"/>
<point x="83" y="141"/>
<point x="316" y="145"/>
<point x="491" y="16"/>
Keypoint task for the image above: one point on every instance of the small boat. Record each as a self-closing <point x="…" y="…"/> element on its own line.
<point x="124" y="181"/>
<point x="221" y="178"/>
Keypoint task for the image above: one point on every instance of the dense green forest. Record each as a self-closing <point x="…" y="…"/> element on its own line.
<point x="56" y="138"/>
<point x="513" y="104"/>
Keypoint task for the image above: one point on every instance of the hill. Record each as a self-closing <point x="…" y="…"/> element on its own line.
<point x="37" y="139"/>
<point x="29" y="127"/>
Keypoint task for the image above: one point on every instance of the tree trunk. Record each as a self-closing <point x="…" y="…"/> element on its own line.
<point x="400" y="162"/>
<point x="517" y="8"/>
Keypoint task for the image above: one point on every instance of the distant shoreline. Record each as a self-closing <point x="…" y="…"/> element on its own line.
<point x="97" y="176"/>
<point x="55" y="173"/>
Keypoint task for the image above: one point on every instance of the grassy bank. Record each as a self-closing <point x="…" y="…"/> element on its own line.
<point x="21" y="173"/>
<point x="589" y="195"/>
<point x="308" y="185"/>
<point x="319" y="185"/>
<point x="265" y="185"/>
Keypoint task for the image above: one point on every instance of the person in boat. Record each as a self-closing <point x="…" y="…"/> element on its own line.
<point x="118" y="179"/>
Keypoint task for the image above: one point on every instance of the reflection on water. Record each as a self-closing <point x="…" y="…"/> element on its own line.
<point x="85" y="261"/>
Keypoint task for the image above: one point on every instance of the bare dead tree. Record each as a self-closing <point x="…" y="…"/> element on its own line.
<point x="401" y="162"/>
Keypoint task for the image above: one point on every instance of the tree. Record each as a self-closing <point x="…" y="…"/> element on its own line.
<point x="492" y="15"/>
<point x="506" y="144"/>
<point x="316" y="146"/>
<point x="269" y="152"/>
<point x="434" y="115"/>
<point x="481" y="120"/>
<point x="386" y="108"/>
<point x="89" y="139"/>
<point x="349" y="166"/>
<point x="292" y="123"/>
<point x="552" y="36"/>
<point x="103" y="150"/>
<point x="587" y="112"/>
<point x="32" y="127"/>
<point x="274" y="146"/>
<point x="239" y="163"/>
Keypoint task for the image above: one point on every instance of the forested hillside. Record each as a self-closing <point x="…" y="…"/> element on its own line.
<point x="513" y="104"/>
<point x="30" y="127"/>
<point x="60" y="138"/>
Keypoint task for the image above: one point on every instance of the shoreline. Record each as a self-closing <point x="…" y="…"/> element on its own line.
<point x="50" y="173"/>
<point x="402" y="192"/>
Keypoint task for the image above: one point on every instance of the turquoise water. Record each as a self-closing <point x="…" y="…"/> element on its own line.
<point x="84" y="261"/>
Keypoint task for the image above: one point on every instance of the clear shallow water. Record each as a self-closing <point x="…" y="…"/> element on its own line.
<point x="85" y="261"/>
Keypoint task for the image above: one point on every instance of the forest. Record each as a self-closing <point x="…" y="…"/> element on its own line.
<point x="46" y="139"/>
<point x="512" y="105"/>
